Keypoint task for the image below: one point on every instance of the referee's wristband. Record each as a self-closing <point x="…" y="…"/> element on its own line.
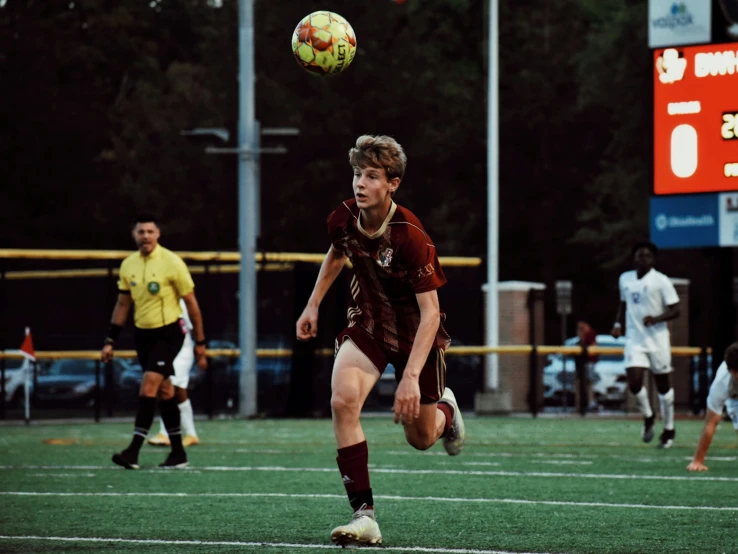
<point x="202" y="342"/>
<point x="114" y="331"/>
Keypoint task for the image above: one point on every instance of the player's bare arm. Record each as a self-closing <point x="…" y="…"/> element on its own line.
<point x="120" y="315"/>
<point x="617" y="327"/>
<point x="407" y="395"/>
<point x="307" y="324"/>
<point x="671" y="312"/>
<point x="198" y="330"/>
<point x="712" y="420"/>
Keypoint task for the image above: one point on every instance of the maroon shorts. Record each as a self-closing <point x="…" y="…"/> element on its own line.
<point x="432" y="377"/>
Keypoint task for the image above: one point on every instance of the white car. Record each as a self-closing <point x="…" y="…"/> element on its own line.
<point x="14" y="377"/>
<point x="609" y="381"/>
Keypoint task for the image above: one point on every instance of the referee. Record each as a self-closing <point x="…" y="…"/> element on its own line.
<point x="154" y="279"/>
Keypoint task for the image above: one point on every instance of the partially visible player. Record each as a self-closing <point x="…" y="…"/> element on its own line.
<point x="723" y="394"/>
<point x="181" y="378"/>
<point x="649" y="300"/>
<point x="394" y="316"/>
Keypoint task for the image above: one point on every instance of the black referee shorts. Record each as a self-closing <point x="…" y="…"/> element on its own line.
<point x="157" y="348"/>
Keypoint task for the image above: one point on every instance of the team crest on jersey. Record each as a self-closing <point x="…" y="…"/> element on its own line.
<point x="153" y="287"/>
<point x="384" y="257"/>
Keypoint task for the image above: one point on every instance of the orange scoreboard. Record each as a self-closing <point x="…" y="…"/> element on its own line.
<point x="696" y="119"/>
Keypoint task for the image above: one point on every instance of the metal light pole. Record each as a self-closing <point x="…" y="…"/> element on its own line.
<point x="247" y="209"/>
<point x="249" y="150"/>
<point x="493" y="181"/>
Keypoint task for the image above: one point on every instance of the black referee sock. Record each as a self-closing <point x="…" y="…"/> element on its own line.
<point x="170" y="415"/>
<point x="144" y="419"/>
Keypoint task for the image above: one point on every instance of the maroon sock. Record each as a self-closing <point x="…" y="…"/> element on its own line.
<point x="448" y="411"/>
<point x="353" y="463"/>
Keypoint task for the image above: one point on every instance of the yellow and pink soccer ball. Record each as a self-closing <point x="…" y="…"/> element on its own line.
<point x="324" y="43"/>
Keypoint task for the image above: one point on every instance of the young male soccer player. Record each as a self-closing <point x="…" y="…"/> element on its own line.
<point x="723" y="393"/>
<point x="649" y="300"/>
<point x="393" y="316"/>
<point x="181" y="378"/>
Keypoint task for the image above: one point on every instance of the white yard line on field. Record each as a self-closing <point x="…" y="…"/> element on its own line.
<point x="377" y="496"/>
<point x="265" y="545"/>
<point x="401" y="471"/>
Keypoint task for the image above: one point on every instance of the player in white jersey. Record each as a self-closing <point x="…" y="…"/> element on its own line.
<point x="723" y="393"/>
<point x="182" y="366"/>
<point x="649" y="300"/>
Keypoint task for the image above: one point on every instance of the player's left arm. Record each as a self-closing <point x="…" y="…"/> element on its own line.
<point x="671" y="299"/>
<point x="407" y="396"/>
<point x="712" y="419"/>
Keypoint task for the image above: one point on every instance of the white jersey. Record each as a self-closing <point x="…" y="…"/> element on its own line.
<point x="724" y="392"/>
<point x="649" y="295"/>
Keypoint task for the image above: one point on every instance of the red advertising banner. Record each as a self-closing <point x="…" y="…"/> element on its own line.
<point x="696" y="119"/>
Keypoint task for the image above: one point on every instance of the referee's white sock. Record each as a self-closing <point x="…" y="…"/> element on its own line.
<point x="644" y="406"/>
<point x="666" y="401"/>
<point x="187" y="418"/>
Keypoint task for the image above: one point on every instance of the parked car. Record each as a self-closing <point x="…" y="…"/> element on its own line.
<point x="14" y="377"/>
<point x="71" y="382"/>
<point x="609" y="381"/>
<point x="218" y="389"/>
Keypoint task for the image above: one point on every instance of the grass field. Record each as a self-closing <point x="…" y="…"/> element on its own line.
<point x="520" y="485"/>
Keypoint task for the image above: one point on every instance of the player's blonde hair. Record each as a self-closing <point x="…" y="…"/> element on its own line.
<point x="379" y="151"/>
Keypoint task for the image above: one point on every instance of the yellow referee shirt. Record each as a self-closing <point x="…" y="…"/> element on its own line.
<point x="156" y="283"/>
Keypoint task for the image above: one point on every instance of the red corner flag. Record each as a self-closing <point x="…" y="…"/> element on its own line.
<point x="27" y="346"/>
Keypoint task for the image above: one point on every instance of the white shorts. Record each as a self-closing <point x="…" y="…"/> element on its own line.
<point x="658" y="360"/>
<point x="731" y="405"/>
<point x="183" y="363"/>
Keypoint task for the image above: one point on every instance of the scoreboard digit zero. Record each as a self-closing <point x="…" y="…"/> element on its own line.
<point x="696" y="119"/>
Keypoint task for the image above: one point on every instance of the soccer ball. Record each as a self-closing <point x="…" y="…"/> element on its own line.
<point x="324" y="43"/>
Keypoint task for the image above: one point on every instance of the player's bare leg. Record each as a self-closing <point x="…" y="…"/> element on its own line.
<point x="354" y="376"/>
<point x="423" y="432"/>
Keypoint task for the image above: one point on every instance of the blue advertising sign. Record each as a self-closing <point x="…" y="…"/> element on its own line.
<point x="685" y="221"/>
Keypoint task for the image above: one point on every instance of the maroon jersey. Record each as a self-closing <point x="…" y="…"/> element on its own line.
<point x="391" y="266"/>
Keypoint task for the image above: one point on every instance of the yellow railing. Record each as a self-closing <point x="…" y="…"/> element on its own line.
<point x="266" y="261"/>
<point x="261" y="257"/>
<point x="287" y="352"/>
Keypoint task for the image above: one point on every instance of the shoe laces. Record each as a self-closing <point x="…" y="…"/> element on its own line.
<point x="363" y="512"/>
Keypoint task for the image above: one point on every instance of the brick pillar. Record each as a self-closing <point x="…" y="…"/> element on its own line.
<point x="514" y="369"/>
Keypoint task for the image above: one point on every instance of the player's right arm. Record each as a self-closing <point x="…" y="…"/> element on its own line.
<point x="117" y="321"/>
<point x="307" y="324"/>
<point x="708" y="431"/>
<point x="617" y="326"/>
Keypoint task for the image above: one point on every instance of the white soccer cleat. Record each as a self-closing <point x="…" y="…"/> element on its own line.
<point x="361" y="530"/>
<point x="454" y="440"/>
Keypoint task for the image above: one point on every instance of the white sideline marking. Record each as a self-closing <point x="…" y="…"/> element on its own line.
<point x="715" y="458"/>
<point x="470" y="472"/>
<point x="261" y="544"/>
<point x="495" y="454"/>
<point x="564" y="462"/>
<point x="75" y="475"/>
<point x="379" y="496"/>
